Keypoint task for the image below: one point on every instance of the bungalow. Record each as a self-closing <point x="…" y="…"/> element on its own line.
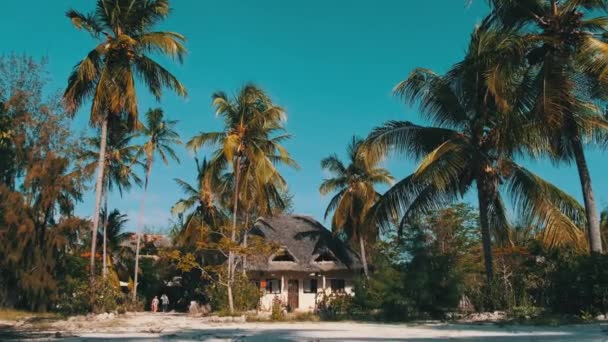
<point x="309" y="263"/>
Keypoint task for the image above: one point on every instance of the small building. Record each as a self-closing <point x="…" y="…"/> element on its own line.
<point x="309" y="263"/>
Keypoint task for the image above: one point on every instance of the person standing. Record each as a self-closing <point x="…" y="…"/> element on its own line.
<point x="155" y="304"/>
<point x="165" y="302"/>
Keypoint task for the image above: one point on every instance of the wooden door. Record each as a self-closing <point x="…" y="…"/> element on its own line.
<point x="293" y="292"/>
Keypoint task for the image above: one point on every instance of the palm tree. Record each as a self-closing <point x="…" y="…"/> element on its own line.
<point x="161" y="136"/>
<point x="107" y="74"/>
<point x="114" y="236"/>
<point x="567" y="46"/>
<point x="249" y="145"/>
<point x="355" y="195"/>
<point x="481" y="123"/>
<point x="202" y="205"/>
<point x="120" y="157"/>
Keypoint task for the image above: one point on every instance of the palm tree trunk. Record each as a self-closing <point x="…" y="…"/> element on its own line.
<point x="237" y="179"/>
<point x="593" y="217"/>
<point x="139" y="229"/>
<point x="485" y="189"/>
<point x="105" y="236"/>
<point x="98" y="192"/>
<point x="363" y="257"/>
<point x="245" y="242"/>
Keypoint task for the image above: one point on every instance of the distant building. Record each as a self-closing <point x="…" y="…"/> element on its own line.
<point x="149" y="245"/>
<point x="310" y="262"/>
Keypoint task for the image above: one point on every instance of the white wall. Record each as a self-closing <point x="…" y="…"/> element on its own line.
<point x="307" y="301"/>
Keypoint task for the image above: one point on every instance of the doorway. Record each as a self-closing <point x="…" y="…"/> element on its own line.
<point x="293" y="292"/>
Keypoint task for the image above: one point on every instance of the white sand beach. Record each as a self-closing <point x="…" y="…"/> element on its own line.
<point x="179" y="327"/>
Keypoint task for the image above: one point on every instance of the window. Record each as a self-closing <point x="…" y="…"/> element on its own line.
<point x="257" y="283"/>
<point x="325" y="257"/>
<point x="283" y="255"/>
<point x="337" y="285"/>
<point x="310" y="285"/>
<point x="273" y="286"/>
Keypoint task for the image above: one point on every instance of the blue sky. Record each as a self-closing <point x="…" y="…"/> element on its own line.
<point x="331" y="64"/>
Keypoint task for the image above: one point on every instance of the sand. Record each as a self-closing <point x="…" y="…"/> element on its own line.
<point x="179" y="327"/>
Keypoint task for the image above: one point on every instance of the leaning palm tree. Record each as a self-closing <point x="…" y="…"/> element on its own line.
<point x="480" y="111"/>
<point x="567" y="46"/>
<point x="250" y="145"/>
<point x="120" y="157"/>
<point x="356" y="194"/>
<point x="161" y="136"/>
<point x="107" y="74"/>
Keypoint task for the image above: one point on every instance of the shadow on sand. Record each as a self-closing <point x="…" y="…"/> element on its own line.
<point x="392" y="333"/>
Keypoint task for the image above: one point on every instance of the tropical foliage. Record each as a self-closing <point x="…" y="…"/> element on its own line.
<point x="479" y="130"/>
<point x="530" y="85"/>
<point x="566" y="48"/>
<point x="354" y="184"/>
<point x="246" y="159"/>
<point x="106" y="76"/>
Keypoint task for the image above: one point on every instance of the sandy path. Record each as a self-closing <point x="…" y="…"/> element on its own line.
<point x="149" y="327"/>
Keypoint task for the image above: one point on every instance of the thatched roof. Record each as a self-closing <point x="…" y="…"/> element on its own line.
<point x="305" y="240"/>
<point x="156" y="240"/>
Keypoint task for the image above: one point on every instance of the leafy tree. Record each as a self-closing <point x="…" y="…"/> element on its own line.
<point x="38" y="189"/>
<point x="481" y="124"/>
<point x="107" y="74"/>
<point x="566" y="44"/>
<point x="355" y="195"/>
<point x="161" y="136"/>
<point x="251" y="146"/>
<point x="425" y="270"/>
<point x="37" y="228"/>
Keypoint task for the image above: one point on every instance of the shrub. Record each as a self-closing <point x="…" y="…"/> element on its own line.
<point x="83" y="297"/>
<point x="277" y="313"/>
<point x="579" y="284"/>
<point x="245" y="294"/>
<point x="336" y="306"/>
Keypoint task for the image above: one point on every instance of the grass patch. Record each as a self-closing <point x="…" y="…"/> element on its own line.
<point x="16" y="315"/>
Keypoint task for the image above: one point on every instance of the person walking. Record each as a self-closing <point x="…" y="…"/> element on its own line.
<point x="155" y="304"/>
<point x="165" y="302"/>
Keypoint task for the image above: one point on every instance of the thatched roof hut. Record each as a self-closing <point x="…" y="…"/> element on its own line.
<point x="305" y="246"/>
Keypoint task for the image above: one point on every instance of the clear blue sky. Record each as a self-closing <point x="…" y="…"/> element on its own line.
<point x="331" y="64"/>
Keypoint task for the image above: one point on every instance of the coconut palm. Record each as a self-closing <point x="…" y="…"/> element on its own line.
<point x="481" y="123"/>
<point x="356" y="194"/>
<point x="249" y="145"/>
<point x="119" y="253"/>
<point x="107" y="74"/>
<point x="120" y="157"/>
<point x="161" y="137"/>
<point x="568" y="48"/>
<point x="202" y="204"/>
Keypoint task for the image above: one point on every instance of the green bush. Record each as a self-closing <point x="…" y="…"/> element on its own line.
<point x="245" y="294"/>
<point x="336" y="307"/>
<point x="578" y="284"/>
<point x="277" y="313"/>
<point x="84" y="297"/>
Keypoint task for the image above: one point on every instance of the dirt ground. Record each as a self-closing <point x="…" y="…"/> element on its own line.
<point x="179" y="327"/>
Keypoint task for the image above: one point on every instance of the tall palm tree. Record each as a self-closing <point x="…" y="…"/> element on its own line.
<point x="120" y="157"/>
<point x="107" y="74"/>
<point x="567" y="46"/>
<point x="481" y="123"/>
<point x="161" y="136"/>
<point x="250" y="145"/>
<point x="356" y="194"/>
